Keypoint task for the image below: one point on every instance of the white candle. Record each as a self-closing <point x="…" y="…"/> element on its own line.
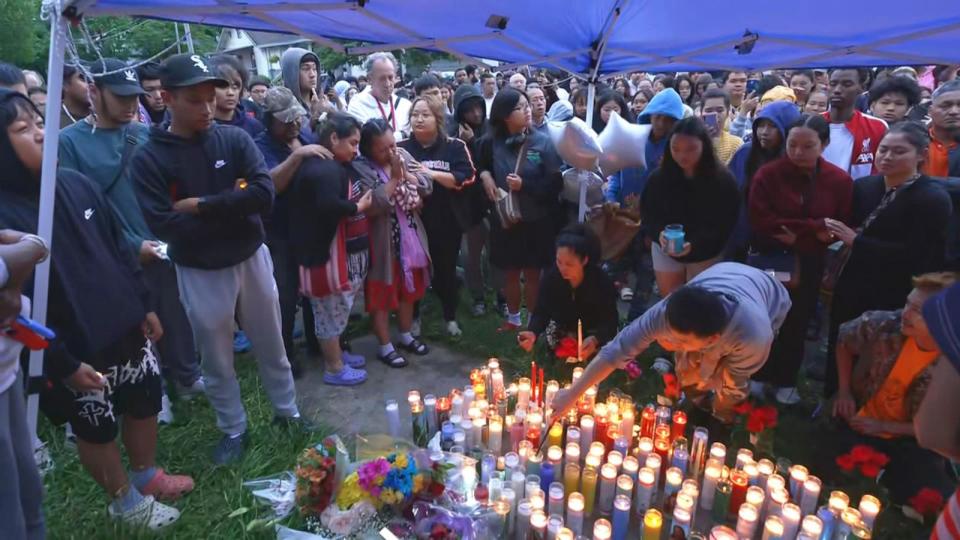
<point x="518" y="482"/>
<point x="778" y="497"/>
<point x="674" y="477"/>
<point x="812" y="527"/>
<point x="586" y="431"/>
<point x="565" y="533"/>
<point x="838" y="502"/>
<point x="791" y="515"/>
<point x="765" y="467"/>
<point x="718" y="451"/>
<point x="538" y="502"/>
<point x="682" y="519"/>
<point x="597" y="449"/>
<point x="869" y="508"/>
<point x="645" y="483"/>
<point x="467" y="427"/>
<point x="469" y="475"/>
<point x="616" y="459"/>
<point x="625" y="486"/>
<point x="555" y="499"/>
<point x="644" y="448"/>
<point x="496" y="378"/>
<point x="532" y="485"/>
<point x="773" y="529"/>
<point x="477" y="435"/>
<point x="689" y="487"/>
<point x="495" y="435"/>
<point x="593" y="461"/>
<point x="509" y="496"/>
<point x="393" y="418"/>
<point x="811" y="495"/>
<point x="798" y="475"/>
<point x="575" y="505"/>
<point x="555" y="456"/>
<point x="775" y="482"/>
<point x="573" y="435"/>
<point x="655" y="462"/>
<point x="626" y="425"/>
<point x="753" y="473"/>
<point x="554" y="524"/>
<point x="744" y="456"/>
<point x="747" y="518"/>
<point x="608" y="489"/>
<point x="631" y="466"/>
<point x="602" y="530"/>
<point x="524" y="513"/>
<point x="468" y="397"/>
<point x="577" y="373"/>
<point x="538" y="523"/>
<point x="456" y="406"/>
<point x="758" y="498"/>
<point x="711" y="475"/>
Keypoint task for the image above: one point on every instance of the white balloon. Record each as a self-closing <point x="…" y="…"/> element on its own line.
<point x="572" y="178"/>
<point x="624" y="145"/>
<point x="576" y="143"/>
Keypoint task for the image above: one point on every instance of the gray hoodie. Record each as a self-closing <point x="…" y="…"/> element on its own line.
<point x="290" y="70"/>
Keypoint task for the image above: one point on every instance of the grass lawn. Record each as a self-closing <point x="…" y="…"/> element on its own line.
<point x="76" y="508"/>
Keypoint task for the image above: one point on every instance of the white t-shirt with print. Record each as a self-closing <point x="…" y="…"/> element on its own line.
<point x="840" y="150"/>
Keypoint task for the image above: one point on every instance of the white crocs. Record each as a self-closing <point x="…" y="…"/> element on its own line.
<point x="148" y="513"/>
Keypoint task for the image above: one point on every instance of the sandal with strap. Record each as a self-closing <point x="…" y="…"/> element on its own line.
<point x="416" y="346"/>
<point x="147" y="513"/>
<point x="168" y="487"/>
<point x="347" y="376"/>
<point x="394" y="360"/>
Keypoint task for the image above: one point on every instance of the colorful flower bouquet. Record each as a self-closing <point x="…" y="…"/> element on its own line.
<point x="316" y="477"/>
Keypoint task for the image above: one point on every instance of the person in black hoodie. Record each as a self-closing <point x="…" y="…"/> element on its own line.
<point x="203" y="188"/>
<point x="102" y="365"/>
<point x="575" y="289"/>
<point x="230" y="108"/>
<point x="469" y="125"/>
<point x="446" y="161"/>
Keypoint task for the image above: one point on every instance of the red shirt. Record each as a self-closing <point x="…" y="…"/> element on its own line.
<point x="781" y="196"/>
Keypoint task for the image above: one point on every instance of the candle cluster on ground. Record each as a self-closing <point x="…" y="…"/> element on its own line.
<point x="553" y="477"/>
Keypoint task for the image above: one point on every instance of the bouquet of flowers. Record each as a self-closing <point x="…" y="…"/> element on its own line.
<point x="390" y="480"/>
<point x="925" y="505"/>
<point x="758" y="422"/>
<point x="316" y="477"/>
<point x="867" y="460"/>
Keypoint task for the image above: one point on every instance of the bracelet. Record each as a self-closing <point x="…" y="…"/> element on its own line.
<point x="40" y="242"/>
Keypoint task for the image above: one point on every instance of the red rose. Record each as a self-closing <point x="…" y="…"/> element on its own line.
<point x="861" y="453"/>
<point x="846" y="462"/>
<point x="755" y="425"/>
<point x="879" y="459"/>
<point x="927" y="502"/>
<point x="567" y="348"/>
<point x="670" y="387"/>
<point x="869" y="470"/>
<point x="742" y="408"/>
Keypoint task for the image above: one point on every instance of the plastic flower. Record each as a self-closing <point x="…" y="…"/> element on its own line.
<point x="744" y="407"/>
<point x="927" y="502"/>
<point x="869" y="470"/>
<point x="846" y="462"/>
<point x="671" y="388"/>
<point x="861" y="453"/>
<point x="566" y="348"/>
<point x="633" y="369"/>
<point x="401" y="461"/>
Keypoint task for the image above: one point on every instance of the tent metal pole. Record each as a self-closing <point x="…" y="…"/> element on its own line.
<point x="591" y="97"/>
<point x="188" y="36"/>
<point x="48" y="186"/>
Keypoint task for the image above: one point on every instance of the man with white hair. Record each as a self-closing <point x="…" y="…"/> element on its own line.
<point x="518" y="81"/>
<point x="378" y="100"/>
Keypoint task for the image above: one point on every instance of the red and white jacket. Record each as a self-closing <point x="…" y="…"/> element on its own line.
<point x="867" y="131"/>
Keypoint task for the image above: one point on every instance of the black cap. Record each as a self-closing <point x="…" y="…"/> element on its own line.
<point x="119" y="79"/>
<point x="182" y="70"/>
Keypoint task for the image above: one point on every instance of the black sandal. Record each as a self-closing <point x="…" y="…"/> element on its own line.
<point x="416" y="346"/>
<point x="394" y="360"/>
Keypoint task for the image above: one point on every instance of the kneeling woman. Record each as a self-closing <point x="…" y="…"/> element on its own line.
<point x="326" y="220"/>
<point x="399" y="258"/>
<point x="575" y="289"/>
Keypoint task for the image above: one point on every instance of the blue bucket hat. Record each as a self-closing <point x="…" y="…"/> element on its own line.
<point x="942" y="315"/>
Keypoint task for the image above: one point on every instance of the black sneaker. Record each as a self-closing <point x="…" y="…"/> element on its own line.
<point x="299" y="423"/>
<point x="230" y="449"/>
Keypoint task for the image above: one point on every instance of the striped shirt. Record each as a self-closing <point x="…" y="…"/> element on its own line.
<point x="948" y="526"/>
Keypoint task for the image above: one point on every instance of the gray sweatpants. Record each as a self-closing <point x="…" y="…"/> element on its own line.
<point x="209" y="298"/>
<point x="21" y="492"/>
<point x="176" y="350"/>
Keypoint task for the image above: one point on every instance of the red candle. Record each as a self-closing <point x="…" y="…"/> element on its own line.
<point x="679" y="425"/>
<point x="613" y="433"/>
<point x="540" y="391"/>
<point x="601" y="430"/>
<point x="647" y="420"/>
<point x="739" y="479"/>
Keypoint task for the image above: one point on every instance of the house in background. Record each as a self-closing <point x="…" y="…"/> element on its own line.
<point x="259" y="52"/>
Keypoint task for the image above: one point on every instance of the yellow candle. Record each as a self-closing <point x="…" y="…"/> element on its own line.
<point x="571" y="478"/>
<point x="652" y="524"/>
<point x="556" y="435"/>
<point x="589" y="481"/>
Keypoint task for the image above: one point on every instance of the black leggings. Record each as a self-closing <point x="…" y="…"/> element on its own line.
<point x="444" y="240"/>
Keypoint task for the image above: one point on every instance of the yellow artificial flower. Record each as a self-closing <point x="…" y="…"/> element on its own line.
<point x="401" y="461"/>
<point x="418" y="482"/>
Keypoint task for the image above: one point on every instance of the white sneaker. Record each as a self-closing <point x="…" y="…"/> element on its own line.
<point x="453" y="329"/>
<point x="149" y="513"/>
<point x="165" y="416"/>
<point x="186" y="393"/>
<point x="788" y="395"/>
<point x="415" y="327"/>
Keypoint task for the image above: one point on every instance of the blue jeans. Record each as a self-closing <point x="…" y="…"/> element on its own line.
<point x="21" y="492"/>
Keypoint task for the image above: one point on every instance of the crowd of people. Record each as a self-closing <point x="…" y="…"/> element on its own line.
<point x="201" y="212"/>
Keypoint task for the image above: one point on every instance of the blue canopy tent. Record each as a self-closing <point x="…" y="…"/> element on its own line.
<point x="588" y="38"/>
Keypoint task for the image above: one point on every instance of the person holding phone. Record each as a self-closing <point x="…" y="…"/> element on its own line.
<point x="713" y="112"/>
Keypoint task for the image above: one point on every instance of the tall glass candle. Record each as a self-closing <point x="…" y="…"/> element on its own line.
<point x="721" y="500"/>
<point x="518" y="482"/>
<point x="522" y="525"/>
<point x="790" y="514"/>
<point x="533" y="464"/>
<point x="555" y="498"/>
<point x="538" y="501"/>
<point x="758" y="498"/>
<point x="656" y="463"/>
<point x="420" y="427"/>
<point x="393" y="418"/>
<point x="811" y="495"/>
<point x="811" y="527"/>
<point x="775" y="482"/>
<point x="572" y="454"/>
<point x="523" y="393"/>
<point x="798" y="475"/>
<point x="631" y="466"/>
<point x="679" y="426"/>
<point x="711" y="475"/>
<point x="747" y="519"/>
<point x="468" y="397"/>
<point x="597" y="449"/>
<point x="456" y="405"/>
<point x="515" y="428"/>
<point x="575" y="508"/>
<point x="718" y="451"/>
<point x="648" y="419"/>
<point x="753" y="473"/>
<point x="573" y="435"/>
<point x="588" y="481"/>
<point x="502" y="509"/>
<point x="555" y="455"/>
<point x="644" y="449"/>
<point x="829" y="521"/>
<point x="766" y="468"/>
<point x="682" y="520"/>
<point x="552" y="388"/>
<point x="722" y="532"/>
<point x="838" y="502"/>
<point x="478" y="424"/>
<point x="554" y="524"/>
<point x="738" y="480"/>
<point x="652" y="524"/>
<point x="772" y="528"/>
<point x="531" y="485"/>
<point x="555" y="435"/>
<point x="443" y="409"/>
<point x="869" y="508"/>
<point x="744" y="456"/>
<point x="495" y="434"/>
<point x="608" y="489"/>
<point x="586" y="431"/>
<point x="671" y="485"/>
<point x="602" y="530"/>
<point x="621" y="516"/>
<point x="534" y="427"/>
<point x="698" y="451"/>
<point x="849" y="518"/>
<point x="593" y="461"/>
<point x="547" y="473"/>
<point x="625" y="486"/>
<point x="690" y="487"/>
<point x="647" y="479"/>
<point x="571" y="477"/>
<point x="626" y="425"/>
<point x="538" y="524"/>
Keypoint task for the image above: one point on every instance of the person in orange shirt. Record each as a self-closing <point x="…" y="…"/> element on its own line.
<point x="943" y="158"/>
<point x="884" y="364"/>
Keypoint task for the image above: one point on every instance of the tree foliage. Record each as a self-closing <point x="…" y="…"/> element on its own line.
<point x="22" y="33"/>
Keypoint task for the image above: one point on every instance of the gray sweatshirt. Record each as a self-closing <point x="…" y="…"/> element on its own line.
<point x="757" y="304"/>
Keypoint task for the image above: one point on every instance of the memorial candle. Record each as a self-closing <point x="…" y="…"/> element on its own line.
<point x="588" y="481"/>
<point x="718" y="451"/>
<point x="811" y="528"/>
<point x="477" y="436"/>
<point x="744" y="456"/>
<point x="538" y="524"/>
<point x="566" y="534"/>
<point x="575" y="505"/>
<point x="524" y="450"/>
<point x="393" y="418"/>
<point x="597" y="449"/>
<point x="586" y="431"/>
<point x="652" y="524"/>
<point x="679" y="427"/>
<point x="456" y="405"/>
<point x="849" y="519"/>
<point x="502" y="510"/>
<point x="721" y="500"/>
<point x="722" y="532"/>
<point x="608" y="489"/>
<point x="691" y="488"/>
<point x="531" y="485"/>
<point x="775" y="501"/>
<point x="673" y="479"/>
<point x="573" y="435"/>
<point x="555" y="455"/>
<point x="698" y="451"/>
<point x="656" y="464"/>
<point x="644" y="449"/>
<point x="738" y="495"/>
<point x="571" y="477"/>
<point x="790" y="514"/>
<point x="682" y="520"/>
<point x="625" y="486"/>
<point x="551" y="392"/>
<point x="711" y="475"/>
<point x="613" y="433"/>
<point x="757" y="497"/>
<point x="534" y="426"/>
<point x="523" y="393"/>
<point x="515" y="427"/>
<point x="775" y="481"/>
<point x="555" y="499"/>
<point x="798" y="475"/>
<point x="631" y="466"/>
<point x="648" y="419"/>
<point x="468" y="396"/>
<point x="772" y="529"/>
<point x="554" y="524"/>
<point x="547" y="472"/>
<point x="869" y="508"/>
<point x="661" y="446"/>
<point x="753" y="473"/>
<point x="495" y="434"/>
<point x="602" y="530"/>
<point x="616" y="459"/>
<point x="533" y="464"/>
<point x="765" y="467"/>
<point x="538" y="501"/>
<point x="496" y="381"/>
<point x="443" y="409"/>
<point x="555" y="435"/>
<point x="509" y="496"/>
<point x="524" y="513"/>
<point x="626" y="425"/>
<point x="811" y="495"/>
<point x="602" y="422"/>
<point x="838" y="502"/>
<point x="747" y="519"/>
<point x="829" y="521"/>
<point x="645" y="487"/>
<point x="577" y="373"/>
<point x="420" y="427"/>
<point x="572" y="455"/>
<point x="621" y="516"/>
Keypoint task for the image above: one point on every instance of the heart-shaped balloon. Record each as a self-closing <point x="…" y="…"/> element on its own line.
<point x="624" y="145"/>
<point x="576" y="143"/>
<point x="572" y="178"/>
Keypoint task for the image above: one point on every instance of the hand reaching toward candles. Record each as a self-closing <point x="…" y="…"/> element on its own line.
<point x="590" y="346"/>
<point x="526" y="340"/>
<point x="563" y="402"/>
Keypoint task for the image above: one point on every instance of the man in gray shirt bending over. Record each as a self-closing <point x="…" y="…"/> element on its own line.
<point x="720" y="327"/>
